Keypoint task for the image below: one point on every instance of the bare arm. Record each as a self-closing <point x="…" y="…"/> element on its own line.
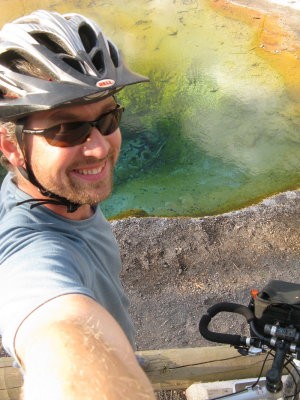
<point x="72" y="349"/>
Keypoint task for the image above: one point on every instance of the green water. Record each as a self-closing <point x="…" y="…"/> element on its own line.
<point x="214" y="130"/>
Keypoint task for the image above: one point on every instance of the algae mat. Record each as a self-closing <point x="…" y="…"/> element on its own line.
<point x="217" y="127"/>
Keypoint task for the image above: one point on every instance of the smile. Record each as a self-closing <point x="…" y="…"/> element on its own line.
<point x="93" y="171"/>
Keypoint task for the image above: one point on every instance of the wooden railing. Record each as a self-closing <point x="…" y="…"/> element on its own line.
<point x="166" y="369"/>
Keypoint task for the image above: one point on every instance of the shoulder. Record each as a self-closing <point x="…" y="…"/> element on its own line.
<point x="25" y="233"/>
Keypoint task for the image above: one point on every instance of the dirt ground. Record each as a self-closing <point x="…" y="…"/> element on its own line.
<point x="174" y="269"/>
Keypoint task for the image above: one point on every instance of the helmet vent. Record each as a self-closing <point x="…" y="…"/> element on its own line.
<point x="98" y="61"/>
<point x="11" y="59"/>
<point x="7" y="94"/>
<point x="87" y="36"/>
<point x="47" y="41"/>
<point x="114" y="54"/>
<point x="74" y="64"/>
<point x="18" y="63"/>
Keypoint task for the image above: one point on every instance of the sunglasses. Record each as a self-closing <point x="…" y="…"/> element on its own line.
<point x="73" y="133"/>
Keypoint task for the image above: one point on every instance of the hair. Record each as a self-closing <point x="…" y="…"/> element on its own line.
<point x="26" y="68"/>
<point x="10" y="128"/>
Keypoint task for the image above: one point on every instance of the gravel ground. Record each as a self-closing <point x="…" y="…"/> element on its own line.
<point x="175" y="268"/>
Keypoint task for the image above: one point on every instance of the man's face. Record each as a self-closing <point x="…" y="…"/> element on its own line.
<point x="83" y="174"/>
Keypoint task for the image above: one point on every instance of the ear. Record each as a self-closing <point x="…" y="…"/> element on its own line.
<point x="10" y="149"/>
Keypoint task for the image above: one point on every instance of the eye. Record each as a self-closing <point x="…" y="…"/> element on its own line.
<point x="70" y="126"/>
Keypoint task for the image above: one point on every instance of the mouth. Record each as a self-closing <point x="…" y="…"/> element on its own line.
<point x="91" y="173"/>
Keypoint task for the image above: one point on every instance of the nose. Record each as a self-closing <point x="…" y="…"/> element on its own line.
<point x="96" y="145"/>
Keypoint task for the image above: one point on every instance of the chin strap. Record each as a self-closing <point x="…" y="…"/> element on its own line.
<point x="28" y="174"/>
<point x="71" y="207"/>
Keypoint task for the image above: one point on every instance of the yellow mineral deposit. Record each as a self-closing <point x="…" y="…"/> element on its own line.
<point x="276" y="39"/>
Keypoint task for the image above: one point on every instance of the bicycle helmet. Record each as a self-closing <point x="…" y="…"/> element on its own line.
<point x="76" y="64"/>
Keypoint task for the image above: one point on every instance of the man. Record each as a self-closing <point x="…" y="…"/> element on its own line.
<point x="63" y="313"/>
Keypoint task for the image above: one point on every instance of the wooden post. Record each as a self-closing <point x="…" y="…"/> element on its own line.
<point x="180" y="368"/>
<point x="166" y="369"/>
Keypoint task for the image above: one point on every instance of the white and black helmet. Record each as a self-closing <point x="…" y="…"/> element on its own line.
<point x="77" y="62"/>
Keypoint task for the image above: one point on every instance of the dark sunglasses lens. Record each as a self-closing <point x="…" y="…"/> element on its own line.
<point x="74" y="133"/>
<point x="108" y="123"/>
<point x="69" y="134"/>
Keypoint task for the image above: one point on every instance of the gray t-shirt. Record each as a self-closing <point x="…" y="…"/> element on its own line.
<point x="44" y="255"/>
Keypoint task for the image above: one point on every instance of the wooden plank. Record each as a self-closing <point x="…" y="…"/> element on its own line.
<point x="180" y="368"/>
<point x="166" y="369"/>
<point x="10" y="380"/>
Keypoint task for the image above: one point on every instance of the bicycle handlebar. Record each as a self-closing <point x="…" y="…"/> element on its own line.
<point x="282" y="340"/>
<point x="226" y="338"/>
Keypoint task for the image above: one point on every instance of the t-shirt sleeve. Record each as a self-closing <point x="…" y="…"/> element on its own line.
<point x="34" y="275"/>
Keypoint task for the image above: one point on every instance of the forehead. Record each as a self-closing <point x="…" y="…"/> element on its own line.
<point x="86" y="112"/>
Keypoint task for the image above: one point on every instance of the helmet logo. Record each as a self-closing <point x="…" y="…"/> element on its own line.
<point x="105" y="83"/>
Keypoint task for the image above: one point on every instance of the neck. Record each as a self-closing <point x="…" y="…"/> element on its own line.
<point x="83" y="212"/>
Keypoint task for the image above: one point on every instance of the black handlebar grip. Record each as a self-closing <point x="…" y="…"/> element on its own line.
<point x="233" y="308"/>
<point x="234" y="340"/>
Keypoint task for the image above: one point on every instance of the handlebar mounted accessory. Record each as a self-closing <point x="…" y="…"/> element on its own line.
<point x="274" y="319"/>
<point x="278" y="301"/>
